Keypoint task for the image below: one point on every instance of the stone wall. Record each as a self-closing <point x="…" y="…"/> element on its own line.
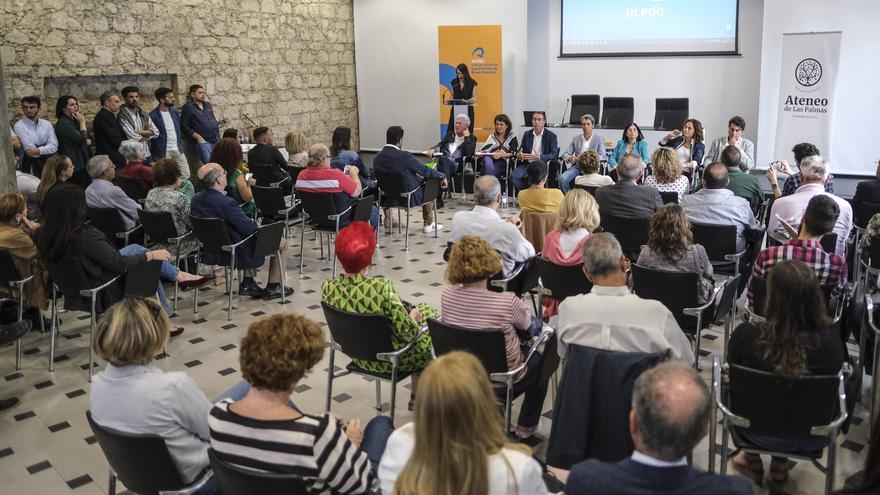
<point x="287" y="64"/>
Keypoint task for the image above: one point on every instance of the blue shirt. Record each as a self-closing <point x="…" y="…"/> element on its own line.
<point x="201" y="121"/>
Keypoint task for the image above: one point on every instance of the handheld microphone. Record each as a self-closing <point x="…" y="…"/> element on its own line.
<point x="562" y="122"/>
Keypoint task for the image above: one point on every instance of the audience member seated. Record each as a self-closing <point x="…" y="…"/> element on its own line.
<point x="392" y="160"/>
<point x="801" y="151"/>
<point x="341" y="156"/>
<point x="467" y="302"/>
<point x="456" y="145"/>
<point x="790" y="209"/>
<point x="505" y="236"/>
<point x="735" y="126"/>
<point x="714" y="204"/>
<point x="830" y="269"/>
<point x="455" y="443"/>
<point x="27" y="184"/>
<point x="211" y="202"/>
<point x="578" y="218"/>
<point x="320" y="177"/>
<point x="633" y="142"/>
<point x="687" y="143"/>
<point x="743" y="184"/>
<point x="867" y="191"/>
<point x="667" y="175"/>
<point x="16" y="233"/>
<point x="227" y="153"/>
<point x="671" y="248"/>
<point x="669" y="417"/>
<point x="168" y="196"/>
<point x="265" y="153"/>
<point x="626" y="198"/>
<point x="103" y="193"/>
<point x="580" y="144"/>
<point x="588" y="164"/>
<point x="538" y="143"/>
<point x="538" y="198"/>
<point x="66" y="235"/>
<point x="57" y="170"/>
<point x="356" y="292"/>
<point x="610" y="317"/>
<point x="135" y="166"/>
<point x="499" y="147"/>
<point x="796" y="340"/>
<point x="264" y="431"/>
<point x="295" y="144"/>
<point x="133" y="396"/>
<point x="72" y="134"/>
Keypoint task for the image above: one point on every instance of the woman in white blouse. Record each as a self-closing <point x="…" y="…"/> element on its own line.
<point x="457" y="427"/>
<point x="667" y="176"/>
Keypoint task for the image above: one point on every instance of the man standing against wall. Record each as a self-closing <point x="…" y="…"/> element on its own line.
<point x="167" y="120"/>
<point x="108" y="131"/>
<point x="199" y="124"/>
<point x="135" y="122"/>
<point x="37" y="136"/>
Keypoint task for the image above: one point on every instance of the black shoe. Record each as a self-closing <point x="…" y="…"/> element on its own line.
<point x="8" y="403"/>
<point x="14" y="331"/>
<point x="274" y="292"/>
<point x="251" y="289"/>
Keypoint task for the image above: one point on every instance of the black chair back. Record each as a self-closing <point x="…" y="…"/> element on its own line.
<point x="717" y="240"/>
<point x="269" y="200"/>
<point x="759" y="295"/>
<point x="487" y="344"/>
<point x="563" y="281"/>
<point x="617" y="112"/>
<point x="631" y="233"/>
<point x="130" y="187"/>
<point x="363" y="210"/>
<point x="70" y="278"/>
<point x="394" y="186"/>
<point x="264" y="174"/>
<point x="8" y="272"/>
<point x="158" y="226"/>
<point x="590" y="189"/>
<point x="269" y="239"/>
<point x="142" y="280"/>
<point x="318" y="206"/>
<point x="676" y="290"/>
<point x="211" y="232"/>
<point x="141" y="461"/>
<point x="361" y="336"/>
<point x="874" y="254"/>
<point x="237" y="480"/>
<point x="863" y="213"/>
<point x="582" y="105"/>
<point x="669" y="197"/>
<point x="669" y="113"/>
<point x="525" y="279"/>
<point x="829" y="242"/>
<point x="107" y="220"/>
<point x="783" y="407"/>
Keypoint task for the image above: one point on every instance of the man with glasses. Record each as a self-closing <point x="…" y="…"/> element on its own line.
<point x="103" y="193"/>
<point x="37" y="136"/>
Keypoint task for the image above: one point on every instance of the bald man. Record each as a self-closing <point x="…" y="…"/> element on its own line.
<point x="669" y="417"/>
<point x="213" y="202"/>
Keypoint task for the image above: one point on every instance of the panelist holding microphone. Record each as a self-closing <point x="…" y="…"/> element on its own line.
<point x="463" y="88"/>
<point x="537" y="144"/>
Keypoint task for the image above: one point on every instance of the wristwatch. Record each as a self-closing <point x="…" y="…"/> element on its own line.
<point x="774" y="186"/>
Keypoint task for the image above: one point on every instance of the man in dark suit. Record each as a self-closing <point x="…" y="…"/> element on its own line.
<point x="537" y="144"/>
<point x="392" y="160"/>
<point x="456" y="145"/>
<point x="669" y="417"/>
<point x="626" y="198"/>
<point x="212" y="202"/>
<point x="108" y="131"/>
<point x="866" y="192"/>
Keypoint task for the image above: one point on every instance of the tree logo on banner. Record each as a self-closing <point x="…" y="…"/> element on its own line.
<point x="808" y="72"/>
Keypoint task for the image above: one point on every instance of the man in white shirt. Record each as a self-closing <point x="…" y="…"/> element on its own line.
<point x="37" y="136"/>
<point x="610" y="317"/>
<point x="735" y="127"/>
<point x="167" y="144"/>
<point x="814" y="173"/>
<point x="136" y="124"/>
<point x="484" y="222"/>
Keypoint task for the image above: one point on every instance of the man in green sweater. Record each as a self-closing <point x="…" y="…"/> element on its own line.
<point x="743" y="184"/>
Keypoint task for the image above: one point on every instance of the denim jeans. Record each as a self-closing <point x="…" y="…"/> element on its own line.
<point x="204" y="150"/>
<point x="376" y="435"/>
<point x="535" y="392"/>
<point x="567" y="177"/>
<point x="518" y="177"/>
<point x="168" y="272"/>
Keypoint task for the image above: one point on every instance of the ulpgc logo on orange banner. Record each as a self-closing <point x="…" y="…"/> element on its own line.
<point x="479" y="48"/>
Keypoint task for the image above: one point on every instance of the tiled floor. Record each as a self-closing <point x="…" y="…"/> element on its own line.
<point x="47" y="447"/>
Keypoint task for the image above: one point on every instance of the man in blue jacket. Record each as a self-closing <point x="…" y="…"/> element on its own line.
<point x="199" y="123"/>
<point x="168" y="144"/>
<point x="536" y="144"/>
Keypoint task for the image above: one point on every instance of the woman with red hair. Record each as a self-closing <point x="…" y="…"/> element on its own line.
<point x="356" y="292"/>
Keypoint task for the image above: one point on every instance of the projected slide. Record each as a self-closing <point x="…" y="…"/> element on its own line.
<point x="648" y="27"/>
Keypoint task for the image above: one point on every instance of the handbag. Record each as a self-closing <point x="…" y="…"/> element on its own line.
<point x="704" y="285"/>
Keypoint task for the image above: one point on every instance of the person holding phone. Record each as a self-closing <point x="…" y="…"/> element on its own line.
<point x="687" y="143"/>
<point x="73" y="141"/>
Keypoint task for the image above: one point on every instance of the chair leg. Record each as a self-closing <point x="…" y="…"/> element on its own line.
<point x="334" y="252"/>
<point x="283" y="289"/>
<point x="406" y="231"/>
<point x="53" y="329"/>
<point x="230" y="273"/>
<point x="321" y="243"/>
<point x="20" y="317"/>
<point x="111" y="482"/>
<point x="713" y="426"/>
<point x="302" y="243"/>
<point x="330" y="377"/>
<point x="723" y="460"/>
<point x="176" y="285"/>
<point x="830" y="465"/>
<point x="398" y="221"/>
<point x="196" y="294"/>
<point x="507" y="401"/>
<point x="435" y="217"/>
<point x="393" y="390"/>
<point x="697" y="342"/>
<point x="378" y="394"/>
<point x="92" y="335"/>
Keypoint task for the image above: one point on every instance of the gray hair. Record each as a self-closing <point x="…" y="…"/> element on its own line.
<point x="464" y="117"/>
<point x="668" y="427"/>
<point x="132" y="150"/>
<point x="318" y="154"/>
<point x="486" y="190"/>
<point x="814" y="168"/>
<point x="588" y="116"/>
<point x="210" y="177"/>
<point x="630" y="166"/>
<point x="97" y="165"/>
<point x="601" y="254"/>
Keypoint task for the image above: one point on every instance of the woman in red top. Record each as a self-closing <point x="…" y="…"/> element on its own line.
<point x="135" y="167"/>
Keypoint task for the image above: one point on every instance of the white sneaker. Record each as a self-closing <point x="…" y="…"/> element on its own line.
<point x="430" y="228"/>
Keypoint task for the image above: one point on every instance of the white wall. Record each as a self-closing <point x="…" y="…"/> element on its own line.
<point x="397" y="62"/>
<point x="718" y="87"/>
<point x="854" y="144"/>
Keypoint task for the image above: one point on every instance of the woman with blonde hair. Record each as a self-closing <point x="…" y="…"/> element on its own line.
<point x="58" y="169"/>
<point x="578" y="218"/>
<point x="467" y="302"/>
<point x="589" y="163"/>
<point x="456" y="443"/>
<point x="667" y="175"/>
<point x="295" y="144"/>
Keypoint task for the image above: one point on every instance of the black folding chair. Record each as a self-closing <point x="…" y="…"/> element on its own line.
<point x="159" y="228"/>
<point x="109" y="221"/>
<point x="669" y="197"/>
<point x="272" y="206"/>
<point x="767" y="404"/>
<point x="10" y="277"/>
<point x="268" y="245"/>
<point x="522" y="281"/>
<point x="631" y="233"/>
<point x="239" y="480"/>
<point x="559" y="281"/>
<point x="131" y="188"/>
<point x="319" y="213"/>
<point x="589" y="189"/>
<point x="213" y="236"/>
<point x="265" y="175"/>
<point x="719" y="241"/>
<point x="393" y="186"/>
<point x="142" y="462"/>
<point x="489" y="346"/>
<point x="864" y="356"/>
<point x="366" y="337"/>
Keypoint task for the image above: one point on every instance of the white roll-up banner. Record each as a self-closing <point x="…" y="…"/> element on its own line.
<point x="806" y="103"/>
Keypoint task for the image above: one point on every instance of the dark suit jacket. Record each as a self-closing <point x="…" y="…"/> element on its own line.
<point x="108" y="136"/>
<point x="633" y="478"/>
<point x="266" y="155"/>
<point x="211" y="203"/>
<point x="157" y="145"/>
<point x="628" y="199"/>
<point x="393" y="161"/>
<point x="467" y="147"/>
<point x="549" y="144"/>
<point x="866" y="191"/>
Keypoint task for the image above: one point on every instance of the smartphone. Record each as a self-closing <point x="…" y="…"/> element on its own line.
<point x="248" y="176"/>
